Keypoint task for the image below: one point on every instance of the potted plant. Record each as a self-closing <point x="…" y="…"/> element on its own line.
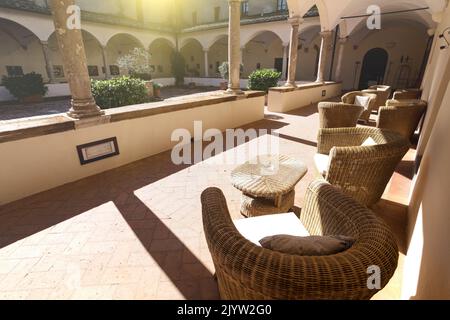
<point x="263" y="80"/>
<point x="28" y="88"/>
<point x="157" y="90"/>
<point x="224" y="73"/>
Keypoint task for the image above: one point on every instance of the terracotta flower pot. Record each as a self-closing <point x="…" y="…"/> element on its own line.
<point x="223" y="85"/>
<point x="157" y="92"/>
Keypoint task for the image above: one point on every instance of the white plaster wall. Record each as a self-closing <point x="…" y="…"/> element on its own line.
<point x="31" y="57"/>
<point x="397" y="40"/>
<point x="287" y="101"/>
<point x="49" y="161"/>
<point x="194" y="59"/>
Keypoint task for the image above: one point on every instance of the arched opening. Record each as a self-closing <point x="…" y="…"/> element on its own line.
<point x="21" y="51"/>
<point x="118" y="46"/>
<point x="308" y="54"/>
<point x="373" y="68"/>
<point x="264" y="51"/>
<point x="94" y="57"/>
<point x="161" y="51"/>
<point x="194" y="57"/>
<point x="218" y="53"/>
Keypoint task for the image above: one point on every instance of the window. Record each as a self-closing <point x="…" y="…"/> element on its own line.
<point x="282" y="5"/>
<point x="93" y="71"/>
<point x="258" y="66"/>
<point x="194" y="18"/>
<point x="14" y="71"/>
<point x="114" y="70"/>
<point x="244" y="8"/>
<point x="217" y="14"/>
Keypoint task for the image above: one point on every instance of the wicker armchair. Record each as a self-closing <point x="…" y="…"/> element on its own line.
<point x="383" y="93"/>
<point x="349" y="98"/>
<point x="246" y="271"/>
<point x="407" y="94"/>
<point x="361" y="172"/>
<point x="402" y="118"/>
<point x="339" y="115"/>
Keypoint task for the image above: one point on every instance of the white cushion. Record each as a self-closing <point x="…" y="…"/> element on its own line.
<point x="255" y="229"/>
<point x="322" y="162"/>
<point x="369" y="142"/>
<point x="362" y="101"/>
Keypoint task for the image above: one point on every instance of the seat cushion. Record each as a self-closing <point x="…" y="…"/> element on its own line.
<point x="255" y="229"/>
<point x="362" y="101"/>
<point x="322" y="162"/>
<point x="307" y="246"/>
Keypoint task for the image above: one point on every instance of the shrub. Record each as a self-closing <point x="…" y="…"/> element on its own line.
<point x="119" y="92"/>
<point x="30" y="84"/>
<point x="263" y="79"/>
<point x="178" y="68"/>
<point x="223" y="69"/>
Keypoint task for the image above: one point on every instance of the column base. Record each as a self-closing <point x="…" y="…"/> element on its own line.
<point x="290" y="85"/>
<point x="82" y="109"/>
<point x="234" y="91"/>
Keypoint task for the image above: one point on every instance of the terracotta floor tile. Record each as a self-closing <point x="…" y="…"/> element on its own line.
<point x="136" y="232"/>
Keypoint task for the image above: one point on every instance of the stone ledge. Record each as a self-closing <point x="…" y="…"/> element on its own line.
<point x="303" y="86"/>
<point x="12" y="130"/>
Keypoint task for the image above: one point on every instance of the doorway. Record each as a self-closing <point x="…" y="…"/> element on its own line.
<point x="373" y="68"/>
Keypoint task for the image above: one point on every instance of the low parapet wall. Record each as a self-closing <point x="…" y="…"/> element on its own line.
<point x="40" y="153"/>
<point x="284" y="99"/>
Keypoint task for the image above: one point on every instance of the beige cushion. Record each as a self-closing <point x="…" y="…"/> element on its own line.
<point x="362" y="101"/>
<point x="322" y="162"/>
<point x="307" y="246"/>
<point x="254" y="229"/>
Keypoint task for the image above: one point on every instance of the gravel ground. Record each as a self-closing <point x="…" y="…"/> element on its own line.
<point x="15" y="111"/>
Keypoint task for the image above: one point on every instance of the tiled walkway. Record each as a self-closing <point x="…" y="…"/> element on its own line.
<point x="130" y="233"/>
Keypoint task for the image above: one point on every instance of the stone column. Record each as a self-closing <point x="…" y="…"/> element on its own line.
<point x="340" y="59"/>
<point x="293" y="50"/>
<point x="71" y="47"/>
<point x="105" y="62"/>
<point x="324" y="55"/>
<point x="234" y="46"/>
<point x="48" y="62"/>
<point x="206" y="51"/>
<point x="285" y="61"/>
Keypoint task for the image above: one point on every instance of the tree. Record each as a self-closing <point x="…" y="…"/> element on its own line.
<point x="178" y="68"/>
<point x="137" y="62"/>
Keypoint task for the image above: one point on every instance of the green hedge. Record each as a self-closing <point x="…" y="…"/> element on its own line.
<point x="119" y="92"/>
<point x="263" y="79"/>
<point x="27" y="85"/>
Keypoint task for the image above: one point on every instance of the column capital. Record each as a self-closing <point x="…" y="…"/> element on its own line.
<point x="44" y="42"/>
<point x="325" y="34"/>
<point x="343" y="40"/>
<point x="437" y="16"/>
<point x="295" y="21"/>
<point x="234" y="1"/>
<point x="205" y="50"/>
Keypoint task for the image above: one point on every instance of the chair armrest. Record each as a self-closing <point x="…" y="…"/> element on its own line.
<point x="329" y="212"/>
<point x="340" y="137"/>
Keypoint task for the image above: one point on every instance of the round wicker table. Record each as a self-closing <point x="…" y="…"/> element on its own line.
<point x="267" y="184"/>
